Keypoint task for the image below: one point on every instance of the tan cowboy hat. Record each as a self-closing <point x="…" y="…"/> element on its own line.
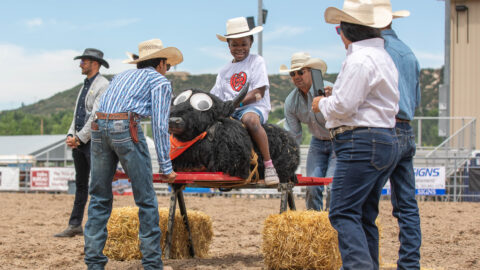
<point x="237" y="28"/>
<point x="386" y="5"/>
<point x="301" y="60"/>
<point x="152" y="49"/>
<point x="362" y="12"/>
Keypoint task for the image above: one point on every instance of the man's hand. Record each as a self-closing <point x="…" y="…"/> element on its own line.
<point x="315" y="101"/>
<point x="168" y="177"/>
<point x="70" y="141"/>
<point x="328" y="91"/>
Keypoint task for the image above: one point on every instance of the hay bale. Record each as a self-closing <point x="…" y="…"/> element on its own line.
<point x="300" y="240"/>
<point x="123" y="242"/>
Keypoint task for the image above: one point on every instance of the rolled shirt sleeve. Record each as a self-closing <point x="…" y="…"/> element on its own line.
<point x="292" y="124"/>
<point x="161" y="99"/>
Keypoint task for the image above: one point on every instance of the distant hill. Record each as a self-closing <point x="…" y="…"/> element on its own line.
<point x="280" y="87"/>
<point x="55" y="112"/>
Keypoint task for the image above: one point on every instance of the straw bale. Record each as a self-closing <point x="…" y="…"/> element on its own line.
<point x="123" y="242"/>
<point x="301" y="240"/>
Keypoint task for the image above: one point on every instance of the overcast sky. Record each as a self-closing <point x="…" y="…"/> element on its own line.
<point x="38" y="39"/>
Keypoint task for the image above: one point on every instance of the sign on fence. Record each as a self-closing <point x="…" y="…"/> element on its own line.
<point x="51" y="179"/>
<point x="9" y="178"/>
<point x="428" y="181"/>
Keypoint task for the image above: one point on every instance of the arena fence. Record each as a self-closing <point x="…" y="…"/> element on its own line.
<point x="455" y="153"/>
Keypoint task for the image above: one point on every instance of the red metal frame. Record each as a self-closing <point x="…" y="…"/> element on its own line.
<point x="192" y="177"/>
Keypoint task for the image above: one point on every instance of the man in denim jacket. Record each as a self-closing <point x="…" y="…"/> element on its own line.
<point x="402" y="179"/>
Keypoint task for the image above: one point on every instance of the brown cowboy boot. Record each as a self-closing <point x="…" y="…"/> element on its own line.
<point x="71" y="231"/>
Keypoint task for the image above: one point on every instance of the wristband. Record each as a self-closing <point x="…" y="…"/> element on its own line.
<point x="241" y="104"/>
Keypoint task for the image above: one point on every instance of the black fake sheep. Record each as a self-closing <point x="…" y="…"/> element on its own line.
<point x="227" y="145"/>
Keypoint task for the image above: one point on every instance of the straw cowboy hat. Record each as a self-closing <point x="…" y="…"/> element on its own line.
<point x="237" y="28"/>
<point x="152" y="49"/>
<point x="362" y="12"/>
<point x="93" y="54"/>
<point x="301" y="60"/>
<point x="386" y="5"/>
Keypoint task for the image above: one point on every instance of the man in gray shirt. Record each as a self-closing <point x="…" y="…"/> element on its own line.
<point x="321" y="158"/>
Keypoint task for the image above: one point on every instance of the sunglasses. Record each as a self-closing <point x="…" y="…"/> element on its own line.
<point x="168" y="65"/>
<point x="338" y="29"/>
<point x="299" y="72"/>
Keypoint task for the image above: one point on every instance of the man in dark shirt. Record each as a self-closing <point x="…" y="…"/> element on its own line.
<point x="79" y="134"/>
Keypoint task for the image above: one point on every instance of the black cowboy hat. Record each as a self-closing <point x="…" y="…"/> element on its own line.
<point x="93" y="54"/>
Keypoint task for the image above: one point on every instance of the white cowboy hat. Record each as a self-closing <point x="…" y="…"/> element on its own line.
<point x="237" y="28"/>
<point x="152" y="49"/>
<point x="131" y="57"/>
<point x="362" y="12"/>
<point x="301" y="60"/>
<point x="386" y="5"/>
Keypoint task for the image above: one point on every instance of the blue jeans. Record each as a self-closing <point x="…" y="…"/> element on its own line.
<point x="405" y="209"/>
<point x="365" y="157"/>
<point x="110" y="144"/>
<point x="238" y="114"/>
<point x="320" y="163"/>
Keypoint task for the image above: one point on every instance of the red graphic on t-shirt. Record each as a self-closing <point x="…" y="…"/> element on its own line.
<point x="238" y="80"/>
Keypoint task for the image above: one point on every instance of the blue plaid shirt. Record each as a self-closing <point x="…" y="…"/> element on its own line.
<point x="147" y="93"/>
<point x="408" y="74"/>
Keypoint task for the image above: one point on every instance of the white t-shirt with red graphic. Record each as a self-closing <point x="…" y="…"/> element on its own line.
<point x="233" y="76"/>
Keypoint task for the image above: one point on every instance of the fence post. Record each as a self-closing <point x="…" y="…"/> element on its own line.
<point x="472" y="136"/>
<point x="419" y="131"/>
<point x="461" y="141"/>
<point x="455" y="181"/>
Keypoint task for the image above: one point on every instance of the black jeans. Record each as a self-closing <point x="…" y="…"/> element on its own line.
<point x="81" y="159"/>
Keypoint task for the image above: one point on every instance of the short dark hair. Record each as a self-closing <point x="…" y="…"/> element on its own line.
<point x="150" y="63"/>
<point x="356" y="32"/>
<point x="251" y="38"/>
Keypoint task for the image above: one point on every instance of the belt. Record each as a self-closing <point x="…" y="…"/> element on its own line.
<point x="324" y="139"/>
<point x="398" y="120"/>
<point x="112" y="116"/>
<point x="341" y="129"/>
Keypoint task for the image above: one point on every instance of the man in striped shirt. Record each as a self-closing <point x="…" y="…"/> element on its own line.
<point x="116" y="136"/>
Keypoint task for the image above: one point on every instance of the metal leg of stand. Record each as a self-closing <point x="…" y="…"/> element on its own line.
<point x="282" y="187"/>
<point x="329" y="194"/>
<point x="171" y="221"/>
<point x="291" y="201"/>
<point x="183" y="211"/>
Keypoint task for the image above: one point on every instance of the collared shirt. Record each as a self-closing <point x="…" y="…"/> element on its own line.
<point x="298" y="110"/>
<point x="80" y="111"/>
<point x="147" y="93"/>
<point x="366" y="90"/>
<point x="408" y="74"/>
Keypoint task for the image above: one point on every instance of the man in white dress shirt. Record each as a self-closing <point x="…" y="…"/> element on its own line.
<point x="361" y="117"/>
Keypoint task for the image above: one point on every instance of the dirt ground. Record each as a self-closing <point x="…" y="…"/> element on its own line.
<point x="451" y="233"/>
